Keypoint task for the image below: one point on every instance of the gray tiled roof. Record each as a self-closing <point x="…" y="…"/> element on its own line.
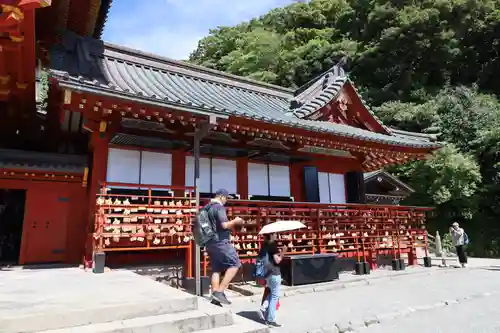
<point x="89" y="65"/>
<point x="424" y="137"/>
<point x="322" y="89"/>
<point x="317" y="95"/>
<point x="326" y="87"/>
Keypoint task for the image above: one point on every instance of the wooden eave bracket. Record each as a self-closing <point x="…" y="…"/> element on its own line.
<point x="67" y="96"/>
<point x="13" y="12"/>
<point x="33" y="4"/>
<point x="40" y="175"/>
<point x="85" y="177"/>
<point x="4" y="79"/>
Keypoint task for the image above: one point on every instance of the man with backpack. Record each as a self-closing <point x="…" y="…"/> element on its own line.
<point x="459" y="239"/>
<point x="213" y="230"/>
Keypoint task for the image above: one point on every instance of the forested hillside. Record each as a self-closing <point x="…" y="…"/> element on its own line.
<point x="427" y="66"/>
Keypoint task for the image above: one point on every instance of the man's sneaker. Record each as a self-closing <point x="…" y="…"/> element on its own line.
<point x="272" y="324"/>
<point x="220" y="297"/>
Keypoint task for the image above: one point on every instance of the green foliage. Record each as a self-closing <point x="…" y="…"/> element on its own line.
<point x="426" y="65"/>
<point x="447" y="243"/>
<point x="397" y="47"/>
<point x="408" y="116"/>
<point x="449" y="181"/>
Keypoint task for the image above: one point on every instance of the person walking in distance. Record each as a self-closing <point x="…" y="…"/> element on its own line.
<point x="459" y="239"/>
<point x="222" y="254"/>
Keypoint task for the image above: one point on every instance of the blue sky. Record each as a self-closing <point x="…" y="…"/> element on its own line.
<point x="172" y="28"/>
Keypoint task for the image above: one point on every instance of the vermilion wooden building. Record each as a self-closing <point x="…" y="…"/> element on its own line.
<point x="286" y="153"/>
<point x="43" y="161"/>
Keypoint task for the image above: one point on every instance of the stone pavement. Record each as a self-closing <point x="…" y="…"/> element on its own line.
<point x="48" y="291"/>
<point x="390" y="301"/>
<point x="480" y="315"/>
<point x="53" y="298"/>
<point x="72" y="300"/>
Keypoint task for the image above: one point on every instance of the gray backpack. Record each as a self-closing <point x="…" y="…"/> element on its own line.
<point x="204" y="229"/>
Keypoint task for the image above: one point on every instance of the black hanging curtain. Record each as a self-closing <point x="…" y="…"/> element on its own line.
<point x="355" y="185"/>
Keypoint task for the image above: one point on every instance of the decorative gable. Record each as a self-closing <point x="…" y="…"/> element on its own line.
<point x="332" y="97"/>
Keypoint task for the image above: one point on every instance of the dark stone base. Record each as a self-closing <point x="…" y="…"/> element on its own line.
<point x="190" y="285"/>
<point x="383" y="260"/>
<point x="309" y="269"/>
<point x="427" y="262"/>
<point x="366" y="267"/>
<point x="402" y="264"/>
<point x="99" y="262"/>
<point x="345" y="264"/>
<point x="359" y="269"/>
<point x="395" y="265"/>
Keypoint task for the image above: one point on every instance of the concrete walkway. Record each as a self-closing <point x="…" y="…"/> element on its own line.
<point x="54" y="298"/>
<point x="45" y="299"/>
<point x="474" y="315"/>
<point x="74" y="301"/>
<point x="44" y="291"/>
<point x="363" y="307"/>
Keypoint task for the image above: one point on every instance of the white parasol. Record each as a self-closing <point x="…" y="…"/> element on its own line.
<point x="281" y="226"/>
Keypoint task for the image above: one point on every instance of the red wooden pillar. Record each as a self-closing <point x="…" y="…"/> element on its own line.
<point x="412" y="255"/>
<point x="242" y="177"/>
<point x="179" y="179"/>
<point x="179" y="169"/>
<point x="297" y="181"/>
<point x="27" y="78"/>
<point x="100" y="142"/>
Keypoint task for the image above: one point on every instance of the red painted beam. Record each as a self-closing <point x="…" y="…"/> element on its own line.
<point x="78" y="15"/>
<point x="28" y="63"/>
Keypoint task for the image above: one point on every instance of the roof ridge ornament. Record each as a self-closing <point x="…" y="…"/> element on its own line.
<point x="342" y="62"/>
<point x="337" y="70"/>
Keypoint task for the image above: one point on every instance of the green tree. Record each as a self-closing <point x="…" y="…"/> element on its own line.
<point x="425" y="65"/>
<point x="449" y="181"/>
<point x="464" y="115"/>
<point x="409" y="116"/>
<point x="470" y="121"/>
<point x="396" y="47"/>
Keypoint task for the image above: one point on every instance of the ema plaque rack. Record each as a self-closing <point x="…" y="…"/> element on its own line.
<point x="133" y="217"/>
<point x="366" y="232"/>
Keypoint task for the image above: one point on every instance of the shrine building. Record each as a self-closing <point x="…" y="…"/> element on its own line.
<point x="105" y="161"/>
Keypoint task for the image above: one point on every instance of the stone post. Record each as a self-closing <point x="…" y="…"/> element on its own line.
<point x="439" y="249"/>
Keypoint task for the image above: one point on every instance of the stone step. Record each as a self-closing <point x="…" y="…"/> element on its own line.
<point x="206" y="317"/>
<point x="63" y="318"/>
<point x="240" y="325"/>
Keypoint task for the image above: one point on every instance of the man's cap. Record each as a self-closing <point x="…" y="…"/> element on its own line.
<point x="455" y="224"/>
<point x="223" y="193"/>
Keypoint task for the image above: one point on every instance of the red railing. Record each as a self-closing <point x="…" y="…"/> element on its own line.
<point x="351" y="230"/>
<point x="134" y="217"/>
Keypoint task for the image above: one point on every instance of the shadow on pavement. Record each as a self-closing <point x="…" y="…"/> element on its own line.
<point x="15" y="267"/>
<point x="492" y="268"/>
<point x="252" y="315"/>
